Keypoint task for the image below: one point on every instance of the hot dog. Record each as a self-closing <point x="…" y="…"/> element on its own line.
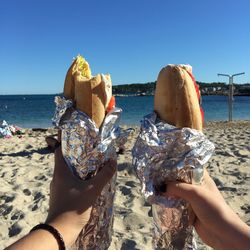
<point x="177" y="102"/>
<point x="91" y="94"/>
<point x="177" y="96"/>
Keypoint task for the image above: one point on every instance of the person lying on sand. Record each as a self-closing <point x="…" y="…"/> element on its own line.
<point x="71" y="201"/>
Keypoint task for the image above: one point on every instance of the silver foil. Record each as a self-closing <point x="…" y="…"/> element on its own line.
<point x="85" y="149"/>
<point x="165" y="153"/>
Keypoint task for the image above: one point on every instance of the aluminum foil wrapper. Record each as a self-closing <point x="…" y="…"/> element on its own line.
<point x="85" y="149"/>
<point x="165" y="153"/>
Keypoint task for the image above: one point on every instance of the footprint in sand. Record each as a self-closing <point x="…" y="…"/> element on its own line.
<point x="218" y="182"/>
<point x="125" y="190"/>
<point x="131" y="184"/>
<point x="17" y="215"/>
<point x="14" y="171"/>
<point x="224" y="153"/>
<point x="38" y="196"/>
<point x="129" y="245"/>
<point x="5" y="209"/>
<point x="16" y="187"/>
<point x="28" y="146"/>
<point x="246" y="208"/>
<point x="41" y="177"/>
<point x="7" y="198"/>
<point x="3" y="174"/>
<point x="33" y="207"/>
<point x="126" y="167"/>
<point x="27" y="192"/>
<point x="15" y="229"/>
<point x="242" y="191"/>
<point x="127" y="194"/>
<point x="239" y="182"/>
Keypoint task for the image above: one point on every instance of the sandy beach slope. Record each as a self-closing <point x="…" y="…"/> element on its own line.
<point x="26" y="167"/>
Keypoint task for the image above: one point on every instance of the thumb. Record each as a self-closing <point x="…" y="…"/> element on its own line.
<point x="182" y="190"/>
<point x="61" y="169"/>
<point x="104" y="176"/>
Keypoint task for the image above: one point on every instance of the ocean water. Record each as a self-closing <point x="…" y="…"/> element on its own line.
<point x="36" y="111"/>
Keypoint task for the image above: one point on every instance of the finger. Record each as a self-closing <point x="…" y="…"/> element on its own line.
<point x="59" y="135"/>
<point x="61" y="169"/>
<point x="50" y="140"/>
<point x="104" y="176"/>
<point x="191" y="215"/>
<point x="180" y="189"/>
<point x="185" y="190"/>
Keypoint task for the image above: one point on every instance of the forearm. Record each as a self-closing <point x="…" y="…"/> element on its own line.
<point x="39" y="240"/>
<point x="43" y="239"/>
<point x="236" y="236"/>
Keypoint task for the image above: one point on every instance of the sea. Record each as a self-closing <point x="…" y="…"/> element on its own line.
<point x="36" y="111"/>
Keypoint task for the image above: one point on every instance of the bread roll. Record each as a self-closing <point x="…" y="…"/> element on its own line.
<point x="176" y="100"/>
<point x="90" y="94"/>
<point x="91" y="97"/>
<point x="69" y="84"/>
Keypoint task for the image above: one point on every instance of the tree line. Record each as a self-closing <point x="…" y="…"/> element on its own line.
<point x="214" y="88"/>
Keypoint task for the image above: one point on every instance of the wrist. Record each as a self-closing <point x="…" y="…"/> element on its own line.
<point x="52" y="231"/>
<point x="68" y="232"/>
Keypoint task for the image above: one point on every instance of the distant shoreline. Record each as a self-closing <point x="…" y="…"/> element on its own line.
<point x="124" y="95"/>
<point x="147" y="89"/>
<point x="142" y="94"/>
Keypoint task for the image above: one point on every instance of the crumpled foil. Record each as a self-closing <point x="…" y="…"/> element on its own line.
<point x="85" y="149"/>
<point x="165" y="153"/>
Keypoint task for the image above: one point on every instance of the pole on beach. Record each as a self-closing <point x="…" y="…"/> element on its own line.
<point x="230" y="93"/>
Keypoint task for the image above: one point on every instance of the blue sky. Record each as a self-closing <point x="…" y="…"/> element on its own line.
<point x="132" y="40"/>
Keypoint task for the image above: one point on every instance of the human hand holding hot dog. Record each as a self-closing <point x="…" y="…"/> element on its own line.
<point x="70" y="205"/>
<point x="216" y="223"/>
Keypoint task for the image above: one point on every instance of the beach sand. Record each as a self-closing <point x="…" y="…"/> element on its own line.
<point x="26" y="167"/>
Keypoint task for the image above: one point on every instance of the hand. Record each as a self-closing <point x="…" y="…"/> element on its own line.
<point x="71" y="199"/>
<point x="216" y="223"/>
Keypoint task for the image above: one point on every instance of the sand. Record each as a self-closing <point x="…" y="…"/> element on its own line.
<point x="26" y="167"/>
